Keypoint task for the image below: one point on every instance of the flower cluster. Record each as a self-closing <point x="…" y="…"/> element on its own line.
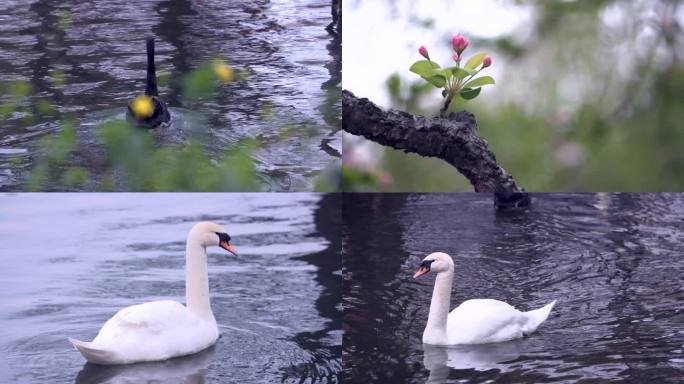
<point x="223" y="71"/>
<point x="458" y="82"/>
<point x="142" y="107"/>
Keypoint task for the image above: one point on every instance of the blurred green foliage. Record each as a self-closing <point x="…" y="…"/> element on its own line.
<point x="203" y="82"/>
<point x="16" y="104"/>
<point x="64" y="20"/>
<point x="329" y="179"/>
<point x="590" y="99"/>
<point x="128" y="158"/>
<point x="131" y="161"/>
<point x="359" y="180"/>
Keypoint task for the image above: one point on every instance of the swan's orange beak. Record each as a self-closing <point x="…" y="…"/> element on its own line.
<point x="421" y="271"/>
<point x="225" y="245"/>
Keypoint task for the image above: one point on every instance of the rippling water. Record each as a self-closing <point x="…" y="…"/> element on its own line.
<point x="70" y="261"/>
<point x="296" y="68"/>
<point x="613" y="261"/>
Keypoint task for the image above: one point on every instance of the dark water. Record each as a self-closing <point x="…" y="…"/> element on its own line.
<point x="613" y="262"/>
<point x="100" y="50"/>
<point x="70" y="262"/>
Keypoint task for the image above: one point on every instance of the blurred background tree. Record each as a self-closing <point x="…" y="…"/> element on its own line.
<point x="588" y="95"/>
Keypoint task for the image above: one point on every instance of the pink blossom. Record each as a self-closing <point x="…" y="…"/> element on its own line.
<point x="459" y="43"/>
<point x="486" y="62"/>
<point x="423" y="52"/>
<point x="384" y="178"/>
<point x="456" y="57"/>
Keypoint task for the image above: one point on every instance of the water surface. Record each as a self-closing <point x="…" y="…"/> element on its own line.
<point x="613" y="262"/>
<point x="87" y="59"/>
<point x="71" y="261"/>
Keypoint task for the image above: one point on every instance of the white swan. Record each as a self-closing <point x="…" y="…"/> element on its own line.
<point x="160" y="330"/>
<point x="475" y="321"/>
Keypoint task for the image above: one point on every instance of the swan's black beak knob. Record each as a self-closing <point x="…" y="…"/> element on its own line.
<point x="224" y="242"/>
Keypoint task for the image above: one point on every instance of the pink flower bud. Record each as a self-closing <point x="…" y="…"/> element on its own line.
<point x="456" y="57"/>
<point x="456" y="42"/>
<point x="459" y="43"/>
<point x="486" y="62"/>
<point x="423" y="52"/>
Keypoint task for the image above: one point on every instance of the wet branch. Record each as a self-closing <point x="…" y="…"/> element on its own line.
<point x="453" y="139"/>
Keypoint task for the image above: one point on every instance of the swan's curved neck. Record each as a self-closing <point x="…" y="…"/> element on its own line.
<point x="197" y="279"/>
<point x="151" y="81"/>
<point x="436" y="330"/>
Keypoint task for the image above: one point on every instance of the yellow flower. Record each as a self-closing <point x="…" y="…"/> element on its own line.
<point x="142" y="106"/>
<point x="223" y="71"/>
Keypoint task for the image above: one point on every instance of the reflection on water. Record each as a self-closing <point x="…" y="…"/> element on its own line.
<point x="440" y="360"/>
<point x="613" y="261"/>
<point x="71" y="261"/>
<point x="87" y="59"/>
<point x="185" y="370"/>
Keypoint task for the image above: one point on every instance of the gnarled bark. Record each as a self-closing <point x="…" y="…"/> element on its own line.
<point x="453" y="139"/>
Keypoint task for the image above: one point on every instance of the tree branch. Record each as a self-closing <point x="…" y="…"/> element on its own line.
<point x="453" y="139"/>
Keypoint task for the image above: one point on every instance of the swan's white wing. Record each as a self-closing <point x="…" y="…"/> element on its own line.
<point x="150" y="318"/>
<point x="154" y="331"/>
<point x="154" y="314"/>
<point x="484" y="321"/>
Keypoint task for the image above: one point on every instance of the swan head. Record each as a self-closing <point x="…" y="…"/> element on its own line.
<point x="435" y="262"/>
<point x="209" y="234"/>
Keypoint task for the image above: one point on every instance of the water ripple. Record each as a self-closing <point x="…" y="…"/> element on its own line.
<point x="611" y="260"/>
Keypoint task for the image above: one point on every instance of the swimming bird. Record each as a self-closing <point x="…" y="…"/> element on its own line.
<point x="160" y="330"/>
<point x="148" y="110"/>
<point x="476" y="321"/>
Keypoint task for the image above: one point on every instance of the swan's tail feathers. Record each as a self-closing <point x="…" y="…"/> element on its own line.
<point x="151" y="81"/>
<point x="92" y="354"/>
<point x="537" y="316"/>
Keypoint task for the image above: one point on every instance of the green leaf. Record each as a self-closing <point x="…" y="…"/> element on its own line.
<point x="445" y="72"/>
<point x="480" y="81"/>
<point x="469" y="93"/>
<point x="437" y="77"/>
<point x="430" y="71"/>
<point x="423" y="68"/>
<point x="457" y="102"/>
<point x="475" y="61"/>
<point x="462" y="73"/>
<point x="438" y="80"/>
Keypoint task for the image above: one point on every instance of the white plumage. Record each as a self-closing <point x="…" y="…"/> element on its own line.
<point x="476" y="321"/>
<point x="160" y="330"/>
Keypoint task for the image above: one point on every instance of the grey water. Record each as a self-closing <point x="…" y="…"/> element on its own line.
<point x="612" y="260"/>
<point x="71" y="261"/>
<point x="294" y="85"/>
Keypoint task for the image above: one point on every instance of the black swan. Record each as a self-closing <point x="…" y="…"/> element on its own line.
<point x="149" y="111"/>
